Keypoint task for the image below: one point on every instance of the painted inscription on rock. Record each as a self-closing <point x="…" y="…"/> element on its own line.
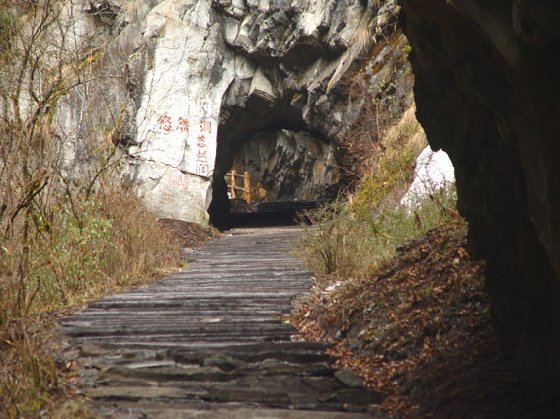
<point x="175" y="146"/>
<point x="166" y="124"/>
<point x="199" y="142"/>
<point x="177" y="122"/>
<point x="205" y="129"/>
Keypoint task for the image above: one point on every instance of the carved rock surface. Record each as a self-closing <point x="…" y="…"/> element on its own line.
<point x="487" y="93"/>
<point x="184" y="83"/>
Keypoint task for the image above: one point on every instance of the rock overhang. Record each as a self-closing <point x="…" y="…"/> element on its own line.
<point x="484" y="92"/>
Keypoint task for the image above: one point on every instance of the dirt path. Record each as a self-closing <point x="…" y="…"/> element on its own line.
<point x="208" y="342"/>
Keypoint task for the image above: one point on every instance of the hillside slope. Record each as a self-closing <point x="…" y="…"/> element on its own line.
<point x="419" y="330"/>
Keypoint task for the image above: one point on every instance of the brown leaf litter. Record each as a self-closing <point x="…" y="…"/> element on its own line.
<point x="420" y="331"/>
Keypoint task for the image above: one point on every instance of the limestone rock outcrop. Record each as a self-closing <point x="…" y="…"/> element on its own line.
<point x="184" y="83"/>
<point x="288" y="166"/>
<point x="433" y="172"/>
<point x="487" y="90"/>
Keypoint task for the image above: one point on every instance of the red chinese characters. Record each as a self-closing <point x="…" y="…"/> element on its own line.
<point x="164" y="123"/>
<point x="179" y="180"/>
<point x="201" y="141"/>
<point x="183" y="124"/>
<point x="167" y="124"/>
<point x="206" y="126"/>
<point x="201" y="153"/>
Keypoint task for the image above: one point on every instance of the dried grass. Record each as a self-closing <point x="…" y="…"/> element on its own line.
<point x="354" y="236"/>
<point x="114" y="243"/>
<point x="68" y="231"/>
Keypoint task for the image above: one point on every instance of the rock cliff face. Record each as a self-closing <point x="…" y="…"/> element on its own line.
<point x="187" y="82"/>
<point x="287" y="165"/>
<point x="487" y="90"/>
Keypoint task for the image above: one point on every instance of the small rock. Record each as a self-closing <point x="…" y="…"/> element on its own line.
<point x="89" y="349"/>
<point x="349" y="378"/>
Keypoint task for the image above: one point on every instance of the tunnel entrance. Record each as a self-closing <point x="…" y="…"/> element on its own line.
<point x="269" y="166"/>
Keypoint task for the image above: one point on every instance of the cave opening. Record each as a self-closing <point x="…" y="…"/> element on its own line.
<point x="275" y="158"/>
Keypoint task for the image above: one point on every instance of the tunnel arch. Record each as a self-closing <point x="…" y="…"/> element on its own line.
<point x="257" y="121"/>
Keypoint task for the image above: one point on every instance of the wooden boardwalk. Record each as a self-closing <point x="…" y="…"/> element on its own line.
<point x="209" y="342"/>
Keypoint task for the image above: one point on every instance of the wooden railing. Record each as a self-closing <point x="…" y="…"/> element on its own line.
<point x="233" y="180"/>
